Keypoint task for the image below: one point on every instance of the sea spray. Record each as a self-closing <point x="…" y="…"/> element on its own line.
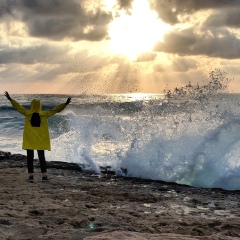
<point x="180" y="139"/>
<point x="215" y="158"/>
<point x="93" y="165"/>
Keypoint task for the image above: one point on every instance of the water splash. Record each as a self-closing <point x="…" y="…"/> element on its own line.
<point x="182" y="139"/>
<point x="217" y="82"/>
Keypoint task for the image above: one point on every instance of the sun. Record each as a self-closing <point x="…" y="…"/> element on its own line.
<point x="136" y="33"/>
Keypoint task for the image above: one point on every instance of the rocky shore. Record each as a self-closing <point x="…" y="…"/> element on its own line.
<point x="78" y="204"/>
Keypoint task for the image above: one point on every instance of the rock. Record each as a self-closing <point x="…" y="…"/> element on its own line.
<point x="64" y="165"/>
<point x="5" y="155"/>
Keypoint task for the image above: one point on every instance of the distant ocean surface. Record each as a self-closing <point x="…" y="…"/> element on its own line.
<point x="194" y="142"/>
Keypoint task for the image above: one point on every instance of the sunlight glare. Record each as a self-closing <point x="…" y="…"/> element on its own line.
<point x="143" y="96"/>
<point x="137" y="33"/>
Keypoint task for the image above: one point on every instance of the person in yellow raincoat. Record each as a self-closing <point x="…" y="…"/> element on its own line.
<point x="36" y="132"/>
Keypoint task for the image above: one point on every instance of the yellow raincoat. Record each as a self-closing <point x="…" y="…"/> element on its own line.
<point x="36" y="138"/>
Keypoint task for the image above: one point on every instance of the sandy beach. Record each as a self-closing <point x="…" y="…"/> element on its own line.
<point x="81" y="205"/>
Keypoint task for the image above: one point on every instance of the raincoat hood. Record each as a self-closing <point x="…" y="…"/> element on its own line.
<point x="36" y="105"/>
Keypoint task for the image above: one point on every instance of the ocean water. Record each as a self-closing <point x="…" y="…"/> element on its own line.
<point x="183" y="140"/>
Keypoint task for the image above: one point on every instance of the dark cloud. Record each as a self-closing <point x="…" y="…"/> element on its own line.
<point x="32" y="55"/>
<point x="6" y="7"/>
<point x="186" y="42"/>
<point x="125" y="4"/>
<point x="170" y="11"/>
<point x="59" y="20"/>
<point x="145" y="57"/>
<point x="52" y="7"/>
<point x="119" y="5"/>
<point x="226" y="18"/>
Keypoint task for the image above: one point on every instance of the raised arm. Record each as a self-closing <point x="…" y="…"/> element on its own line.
<point x="7" y="95"/>
<point x="15" y="104"/>
<point x="58" y="108"/>
<point x="68" y="101"/>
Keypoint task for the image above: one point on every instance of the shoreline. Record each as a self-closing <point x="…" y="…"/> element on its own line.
<point x="82" y="205"/>
<point x="19" y="160"/>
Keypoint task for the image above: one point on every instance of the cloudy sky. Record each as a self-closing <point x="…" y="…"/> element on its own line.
<point x="116" y="46"/>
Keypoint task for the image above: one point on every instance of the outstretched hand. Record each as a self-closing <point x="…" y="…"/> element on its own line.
<point x="7" y="95"/>
<point x="68" y="101"/>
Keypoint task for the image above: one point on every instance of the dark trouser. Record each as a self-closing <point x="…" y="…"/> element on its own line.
<point x="41" y="156"/>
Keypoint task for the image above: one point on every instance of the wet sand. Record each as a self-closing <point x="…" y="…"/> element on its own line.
<point x="79" y="205"/>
